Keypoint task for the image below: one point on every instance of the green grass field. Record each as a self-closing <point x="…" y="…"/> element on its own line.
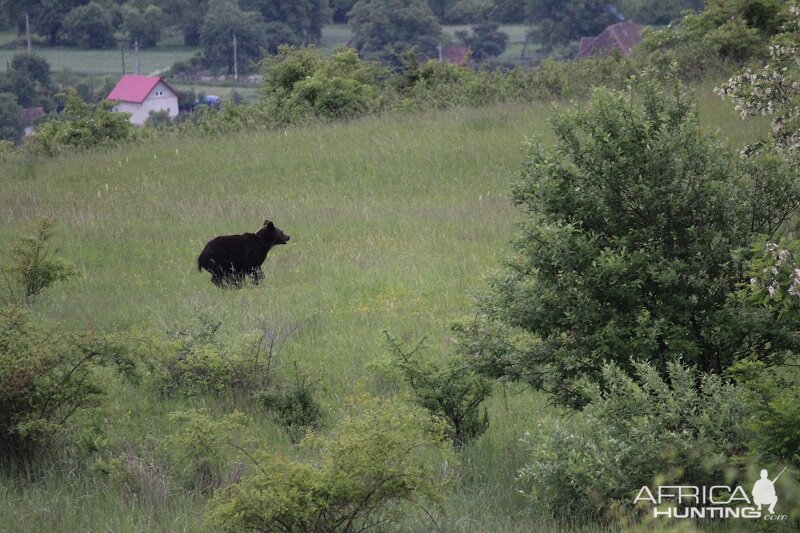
<point x="395" y="223"/>
<point x="96" y="62"/>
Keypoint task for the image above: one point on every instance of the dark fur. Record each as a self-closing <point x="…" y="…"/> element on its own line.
<point x="231" y="258"/>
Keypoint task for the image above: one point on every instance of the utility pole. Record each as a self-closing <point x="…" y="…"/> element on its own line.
<point x="136" y="54"/>
<point x="235" y="61"/>
<point x="28" y="31"/>
<point x="122" y="53"/>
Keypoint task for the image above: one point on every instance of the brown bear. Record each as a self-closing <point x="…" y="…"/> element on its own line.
<point x="230" y="258"/>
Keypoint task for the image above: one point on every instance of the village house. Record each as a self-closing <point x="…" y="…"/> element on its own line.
<point x="139" y="95"/>
<point x="620" y="37"/>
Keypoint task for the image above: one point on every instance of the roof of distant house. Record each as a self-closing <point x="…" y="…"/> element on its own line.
<point x="30" y="114"/>
<point x="135" y="88"/>
<point x="622" y="36"/>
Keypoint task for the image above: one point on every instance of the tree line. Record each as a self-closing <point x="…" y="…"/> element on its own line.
<point x="268" y="23"/>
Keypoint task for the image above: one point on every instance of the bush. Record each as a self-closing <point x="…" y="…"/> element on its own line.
<point x="46" y="377"/>
<point x="33" y="266"/>
<point x="11" y="128"/>
<point x="82" y="126"/>
<point x="452" y="391"/>
<point x="301" y="84"/>
<point x="382" y="458"/>
<point x="295" y="405"/>
<point x="196" y="362"/>
<point x="635" y="432"/>
<point x="634" y="246"/>
<point x="197" y="449"/>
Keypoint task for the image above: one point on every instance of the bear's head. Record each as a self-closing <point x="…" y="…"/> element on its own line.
<point x="270" y="232"/>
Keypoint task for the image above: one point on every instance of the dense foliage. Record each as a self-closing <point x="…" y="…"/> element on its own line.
<point x="665" y="428"/>
<point x="82" y="126"/>
<point x="385" y="29"/>
<point x="378" y="461"/>
<point x="46" y="378"/>
<point x="10" y="118"/>
<point x="302" y="84"/>
<point x="634" y="245"/>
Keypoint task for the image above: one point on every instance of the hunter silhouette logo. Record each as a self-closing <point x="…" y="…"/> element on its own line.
<point x="764" y="491"/>
<point x="717" y="501"/>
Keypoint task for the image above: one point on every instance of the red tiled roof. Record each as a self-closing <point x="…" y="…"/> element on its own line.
<point x="621" y="36"/>
<point x="135" y="88"/>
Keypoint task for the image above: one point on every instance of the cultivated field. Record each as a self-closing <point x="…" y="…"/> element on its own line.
<point x="395" y="223"/>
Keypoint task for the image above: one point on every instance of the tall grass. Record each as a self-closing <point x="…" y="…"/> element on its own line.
<point x="395" y="222"/>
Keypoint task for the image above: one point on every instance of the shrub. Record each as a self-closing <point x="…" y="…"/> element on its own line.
<point x="82" y="126"/>
<point x="301" y="83"/>
<point x="11" y="128"/>
<point x="198" y="449"/>
<point x="46" y="377"/>
<point x="634" y="245"/>
<point x="452" y="391"/>
<point x="295" y="404"/>
<point x="33" y="266"/>
<point x="635" y="432"/>
<point x="195" y="361"/>
<point x="381" y="458"/>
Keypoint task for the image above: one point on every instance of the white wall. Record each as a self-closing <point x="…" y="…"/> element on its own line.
<point x="161" y="98"/>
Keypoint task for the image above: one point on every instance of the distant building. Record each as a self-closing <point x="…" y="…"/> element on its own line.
<point x="139" y="95"/>
<point x="29" y="116"/>
<point x="620" y="37"/>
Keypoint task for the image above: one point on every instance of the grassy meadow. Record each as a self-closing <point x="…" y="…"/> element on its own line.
<point x="395" y="221"/>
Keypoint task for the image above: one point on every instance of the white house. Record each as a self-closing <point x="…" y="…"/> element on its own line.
<point x="139" y="95"/>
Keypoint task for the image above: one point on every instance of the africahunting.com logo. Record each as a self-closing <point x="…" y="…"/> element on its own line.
<point x="717" y="501"/>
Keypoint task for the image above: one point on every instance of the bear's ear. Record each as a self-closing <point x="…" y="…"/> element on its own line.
<point x="268" y="224"/>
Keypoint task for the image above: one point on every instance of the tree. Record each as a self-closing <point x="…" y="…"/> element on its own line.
<point x="730" y="31"/>
<point x="775" y="88"/>
<point x="634" y="248"/>
<point x="143" y="25"/>
<point x="90" y="26"/>
<point x="485" y="41"/>
<point x="384" y="29"/>
<point x="46" y="16"/>
<point x="305" y="17"/>
<point x="560" y="22"/>
<point x="299" y="83"/>
<point x="224" y="19"/>
<point x="190" y="15"/>
<point x="10" y="118"/>
<point x="340" y="9"/>
<point x="656" y="12"/>
<point x="29" y="79"/>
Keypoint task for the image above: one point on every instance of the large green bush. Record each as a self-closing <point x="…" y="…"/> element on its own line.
<point x="636" y="432"/>
<point x="381" y="461"/>
<point x="300" y="84"/>
<point x="82" y="126"/>
<point x="47" y="376"/>
<point x="636" y="235"/>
